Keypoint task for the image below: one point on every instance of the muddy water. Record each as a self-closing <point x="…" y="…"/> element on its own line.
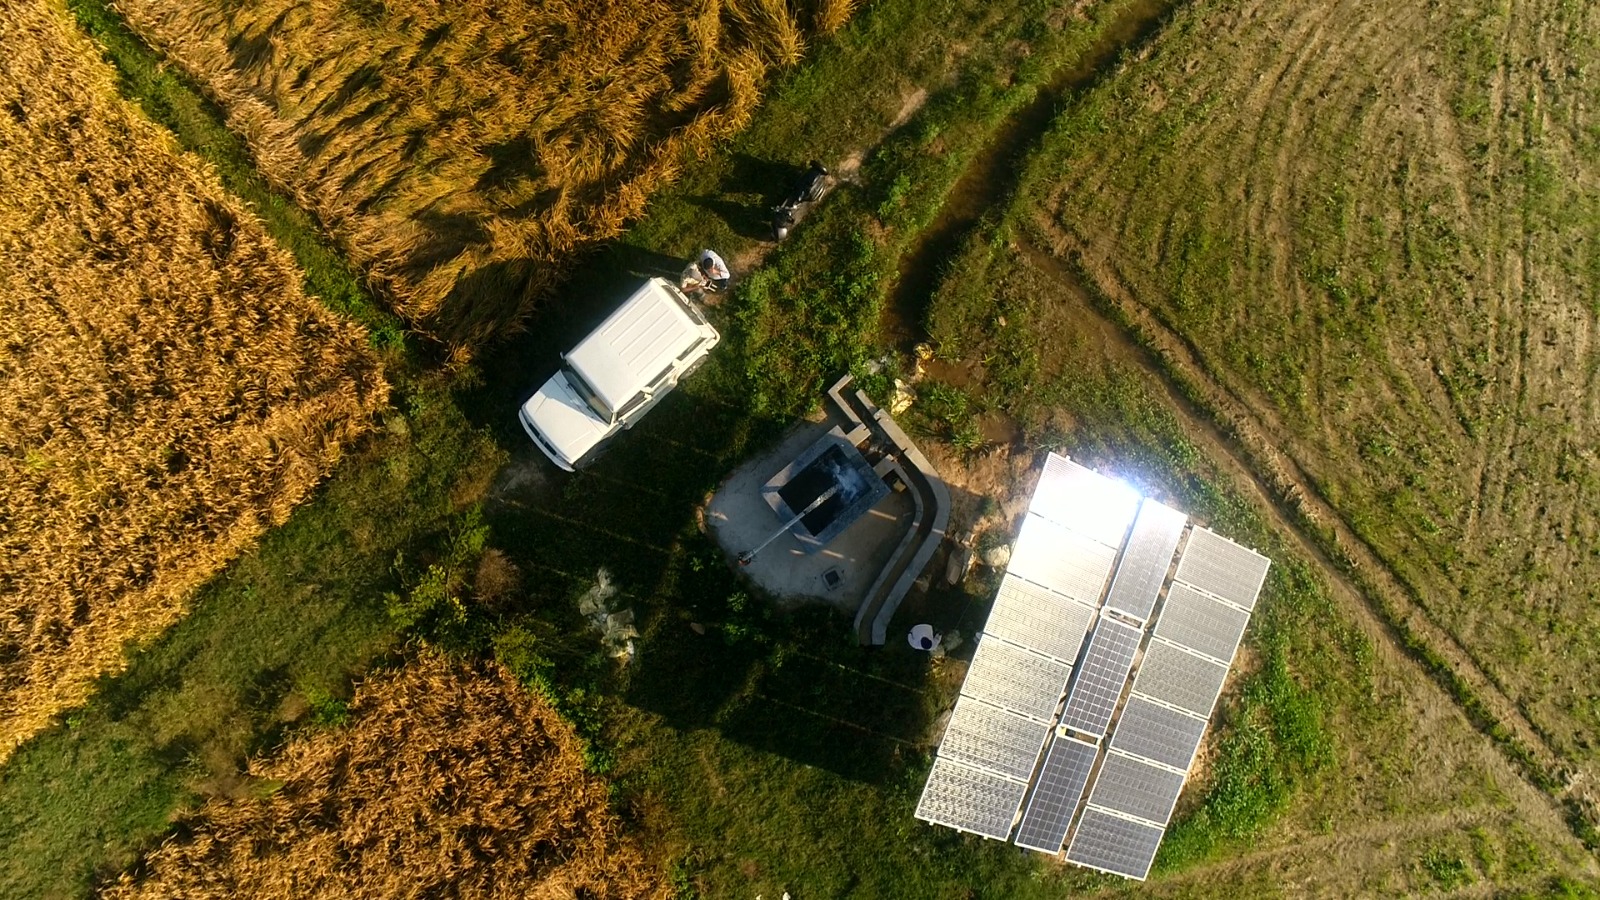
<point x="992" y="175"/>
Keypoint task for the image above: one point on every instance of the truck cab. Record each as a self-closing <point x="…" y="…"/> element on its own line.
<point x="616" y="374"/>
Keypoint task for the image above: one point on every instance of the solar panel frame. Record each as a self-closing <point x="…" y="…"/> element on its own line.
<point x="1159" y="733"/>
<point x="1057" y="790"/>
<point x="969" y="799"/>
<point x="1101" y="676"/>
<point x="1039" y="619"/>
<point x="1114" y="844"/>
<point x="1147" y="559"/>
<point x="1180" y="678"/>
<point x="1136" y="788"/>
<point x="1201" y="623"/>
<point x="1062" y="560"/>
<point x="1218" y="566"/>
<point x="1014" y="678"/>
<point x="1084" y="501"/>
<point x="988" y="737"/>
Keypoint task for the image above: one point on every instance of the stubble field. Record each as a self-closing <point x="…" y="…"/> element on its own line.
<point x="446" y="781"/>
<point x="463" y="152"/>
<point x="167" y="392"/>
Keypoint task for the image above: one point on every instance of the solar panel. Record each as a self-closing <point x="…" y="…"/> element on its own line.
<point x="1146" y="560"/>
<point x="1137" y="788"/>
<point x="1085" y="501"/>
<point x="991" y="738"/>
<point x="1222" y="568"/>
<point x="1158" y="732"/>
<point x="1060" y="786"/>
<point x="1038" y="619"/>
<point x="1063" y="561"/>
<point x="1201" y="623"/>
<point x="1181" y="678"/>
<point x="1101" y="676"/>
<point x="1113" y="844"/>
<point x="970" y="799"/>
<point x="1013" y="678"/>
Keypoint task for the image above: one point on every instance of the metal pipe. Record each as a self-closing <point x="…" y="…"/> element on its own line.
<point x="749" y="556"/>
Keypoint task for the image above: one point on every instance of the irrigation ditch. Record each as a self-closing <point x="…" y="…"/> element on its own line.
<point x="992" y="176"/>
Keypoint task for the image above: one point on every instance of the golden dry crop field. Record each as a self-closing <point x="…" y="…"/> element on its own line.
<point x="462" y="151"/>
<point x="1371" y="233"/>
<point x="167" y="391"/>
<point x="447" y="781"/>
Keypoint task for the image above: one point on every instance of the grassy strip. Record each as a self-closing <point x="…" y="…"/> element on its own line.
<point x="199" y="125"/>
<point x="270" y="647"/>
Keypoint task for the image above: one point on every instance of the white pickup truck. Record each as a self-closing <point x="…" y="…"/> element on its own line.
<point x="617" y="373"/>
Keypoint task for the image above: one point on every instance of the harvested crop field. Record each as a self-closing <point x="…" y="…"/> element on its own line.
<point x="446" y="782"/>
<point x="1375" y="231"/>
<point x="167" y="391"/>
<point x="463" y="151"/>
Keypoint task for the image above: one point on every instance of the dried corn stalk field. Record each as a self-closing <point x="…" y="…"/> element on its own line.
<point x="447" y="782"/>
<point x="166" y="389"/>
<point x="462" y="151"/>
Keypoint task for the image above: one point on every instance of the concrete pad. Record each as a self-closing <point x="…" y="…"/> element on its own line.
<point x="740" y="519"/>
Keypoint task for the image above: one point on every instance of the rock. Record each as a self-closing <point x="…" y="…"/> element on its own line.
<point x="997" y="557"/>
<point x="902" y="399"/>
<point x="960" y="562"/>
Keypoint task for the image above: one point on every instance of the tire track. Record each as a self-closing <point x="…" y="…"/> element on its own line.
<point x="1377" y="600"/>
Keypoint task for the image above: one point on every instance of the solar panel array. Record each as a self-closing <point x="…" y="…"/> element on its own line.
<point x="1203" y="624"/>
<point x="1157" y="732"/>
<point x="1177" y="677"/>
<point x="970" y="799"/>
<point x="1222" y="568"/>
<point x="1115" y="844"/>
<point x="1029" y="615"/>
<point x="1123" y="769"/>
<point x="1180" y="677"/>
<point x="1015" y="678"/>
<point x="1084" y="501"/>
<point x="1135" y="787"/>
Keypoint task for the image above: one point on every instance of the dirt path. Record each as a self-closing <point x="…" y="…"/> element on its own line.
<point x="1333" y="858"/>
<point x="1373" y="598"/>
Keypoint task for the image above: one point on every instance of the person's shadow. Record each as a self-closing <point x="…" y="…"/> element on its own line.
<point x="644" y="262"/>
<point x="753" y="187"/>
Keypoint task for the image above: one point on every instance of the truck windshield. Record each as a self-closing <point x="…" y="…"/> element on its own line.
<point x="587" y="393"/>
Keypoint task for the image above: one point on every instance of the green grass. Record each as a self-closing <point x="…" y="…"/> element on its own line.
<point x="272" y="645"/>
